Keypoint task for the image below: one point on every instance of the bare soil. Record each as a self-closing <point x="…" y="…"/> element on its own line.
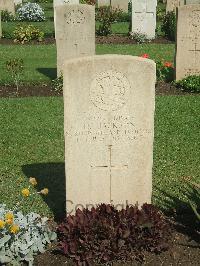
<point x="46" y="90"/>
<point x="110" y="39"/>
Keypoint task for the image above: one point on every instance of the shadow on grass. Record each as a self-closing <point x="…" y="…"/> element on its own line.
<point x="52" y="176"/>
<point x="184" y="218"/>
<point x="48" y="72"/>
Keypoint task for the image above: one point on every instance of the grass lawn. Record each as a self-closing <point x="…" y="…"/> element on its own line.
<point x="40" y="60"/>
<point x="32" y="144"/>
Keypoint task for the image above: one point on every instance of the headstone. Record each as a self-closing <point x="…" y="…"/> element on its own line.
<point x="144" y="17"/>
<point x="7" y="5"/>
<point x="173" y="4"/>
<point x="192" y="2"/>
<point x="103" y="3"/>
<point x="109" y="128"/>
<point x="120" y="4"/>
<point x="17" y="2"/>
<point x="188" y="41"/>
<point x="57" y="3"/>
<point x="75" y="34"/>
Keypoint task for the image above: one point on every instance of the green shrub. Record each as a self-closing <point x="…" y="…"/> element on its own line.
<point x="30" y="12"/>
<point x="190" y="84"/>
<point x="105" y="234"/>
<point x="164" y="71"/>
<point x="169" y="26"/>
<point x="27" y="33"/>
<point x="15" y="68"/>
<point x="196" y="189"/>
<point x="7" y="16"/>
<point x="139" y="37"/>
<point x="106" y="15"/>
<point x="124" y="17"/>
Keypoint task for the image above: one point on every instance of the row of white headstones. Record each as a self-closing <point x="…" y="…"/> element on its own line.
<point x="75" y="36"/>
<point x="143" y="13"/>
<point x="109" y="103"/>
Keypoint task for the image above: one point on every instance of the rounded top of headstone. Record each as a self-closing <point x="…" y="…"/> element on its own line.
<point x="128" y="58"/>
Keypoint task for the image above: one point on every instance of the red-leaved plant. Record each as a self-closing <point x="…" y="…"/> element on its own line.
<point x="104" y="234"/>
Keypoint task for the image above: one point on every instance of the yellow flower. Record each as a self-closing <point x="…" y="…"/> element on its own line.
<point x="2" y="224"/>
<point x="9" y="217"/>
<point x="33" y="181"/>
<point x="44" y="191"/>
<point x="14" y="229"/>
<point x="25" y="192"/>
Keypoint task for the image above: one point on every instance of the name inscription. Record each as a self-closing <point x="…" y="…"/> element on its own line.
<point x="96" y="128"/>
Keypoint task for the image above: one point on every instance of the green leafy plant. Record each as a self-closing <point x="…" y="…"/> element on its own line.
<point x="190" y="84"/>
<point x="104" y="234"/>
<point x="196" y="188"/>
<point x="27" y="33"/>
<point x="169" y="25"/>
<point x="23" y="236"/>
<point x="7" y="16"/>
<point x="160" y="12"/>
<point x="58" y="84"/>
<point x="106" y="15"/>
<point x="139" y="37"/>
<point x="15" y="68"/>
<point x="164" y="70"/>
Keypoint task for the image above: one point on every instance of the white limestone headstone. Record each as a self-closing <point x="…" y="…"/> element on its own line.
<point x="75" y="35"/>
<point x="7" y="5"/>
<point x="120" y="4"/>
<point x="103" y="3"/>
<point x="109" y="127"/>
<point x="17" y="2"/>
<point x="57" y="3"/>
<point x="188" y="41"/>
<point x="144" y="17"/>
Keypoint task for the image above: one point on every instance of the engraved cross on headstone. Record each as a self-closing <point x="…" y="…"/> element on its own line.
<point x="144" y="12"/>
<point x="110" y="167"/>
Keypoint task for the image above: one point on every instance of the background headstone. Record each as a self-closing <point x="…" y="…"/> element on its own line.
<point x="17" y="2"/>
<point x="75" y="34"/>
<point x="109" y="128"/>
<point x="192" y="2"/>
<point x="57" y="3"/>
<point x="188" y="41"/>
<point x="7" y="5"/>
<point x="103" y="3"/>
<point x="120" y="4"/>
<point x="144" y="17"/>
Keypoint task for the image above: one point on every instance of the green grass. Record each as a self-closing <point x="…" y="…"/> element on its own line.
<point x="40" y="60"/>
<point x="32" y="144"/>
